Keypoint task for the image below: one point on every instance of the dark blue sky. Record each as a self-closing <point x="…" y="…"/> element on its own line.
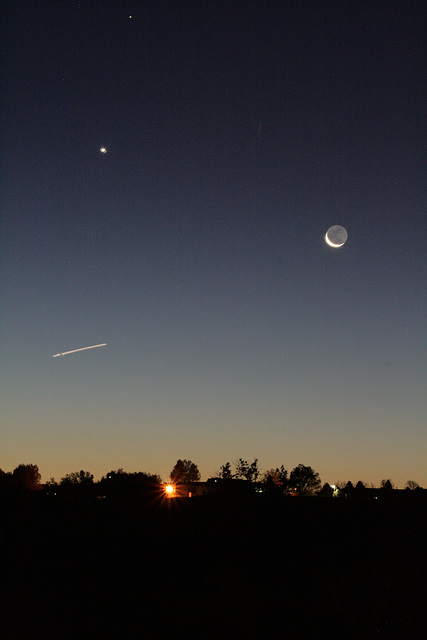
<point x="236" y="134"/>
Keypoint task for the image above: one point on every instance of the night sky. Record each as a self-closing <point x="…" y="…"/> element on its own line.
<point x="236" y="134"/>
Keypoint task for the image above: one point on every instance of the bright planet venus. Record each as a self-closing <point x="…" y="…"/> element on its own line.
<point x="336" y="236"/>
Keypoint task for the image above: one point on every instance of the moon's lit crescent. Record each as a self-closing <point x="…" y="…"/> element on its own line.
<point x="332" y="244"/>
<point x="336" y="236"/>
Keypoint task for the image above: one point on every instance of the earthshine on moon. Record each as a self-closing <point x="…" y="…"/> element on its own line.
<point x="336" y="236"/>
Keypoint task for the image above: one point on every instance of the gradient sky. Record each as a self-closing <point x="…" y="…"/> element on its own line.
<point x="237" y="133"/>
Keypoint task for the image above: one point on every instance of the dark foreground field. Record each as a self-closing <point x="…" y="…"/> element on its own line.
<point x="214" y="567"/>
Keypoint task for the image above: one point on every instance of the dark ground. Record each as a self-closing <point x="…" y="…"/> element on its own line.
<point x="214" y="567"/>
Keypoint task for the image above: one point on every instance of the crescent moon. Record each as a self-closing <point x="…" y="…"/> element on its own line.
<point x="332" y="244"/>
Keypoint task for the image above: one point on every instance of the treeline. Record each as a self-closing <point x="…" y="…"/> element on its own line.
<point x="118" y="558"/>
<point x="302" y="480"/>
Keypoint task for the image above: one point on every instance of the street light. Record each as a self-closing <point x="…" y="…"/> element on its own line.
<point x="170" y="490"/>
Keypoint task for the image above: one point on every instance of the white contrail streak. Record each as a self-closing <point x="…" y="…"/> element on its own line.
<point x="66" y="353"/>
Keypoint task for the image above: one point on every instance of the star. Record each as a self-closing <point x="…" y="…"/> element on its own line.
<point x="103" y="150"/>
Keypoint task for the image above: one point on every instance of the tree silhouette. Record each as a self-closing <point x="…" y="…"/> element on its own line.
<point x="5" y="482"/>
<point x="304" y="480"/>
<point x="115" y="484"/>
<point x="248" y="471"/>
<point x="77" y="477"/>
<point x="278" y="477"/>
<point x="225" y="471"/>
<point x="127" y="487"/>
<point x="326" y="491"/>
<point x="26" y="477"/>
<point x="77" y="485"/>
<point x="359" y="489"/>
<point x="184" y="471"/>
<point x="348" y="490"/>
<point x="412" y="485"/>
<point x="387" y="485"/>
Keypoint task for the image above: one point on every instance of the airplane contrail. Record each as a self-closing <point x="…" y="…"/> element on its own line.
<point x="94" y="346"/>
